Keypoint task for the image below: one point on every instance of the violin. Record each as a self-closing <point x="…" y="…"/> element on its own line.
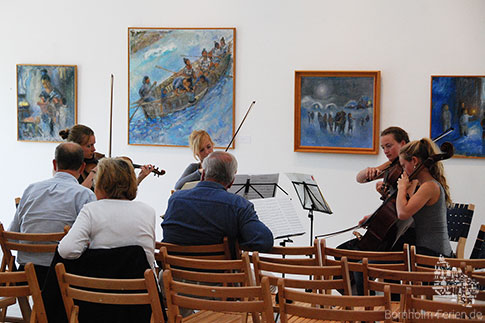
<point x="382" y="230"/>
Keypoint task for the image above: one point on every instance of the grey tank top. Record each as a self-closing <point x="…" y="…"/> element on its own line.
<point x="431" y="226"/>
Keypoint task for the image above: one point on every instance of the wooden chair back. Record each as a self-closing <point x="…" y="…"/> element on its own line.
<point x="243" y="299"/>
<point x="226" y="272"/>
<point x="332" y="307"/>
<point x="28" y="242"/>
<point x="219" y="251"/>
<point x="394" y="260"/>
<point x="22" y="284"/>
<point x="417" y="310"/>
<point x="321" y="279"/>
<point x="304" y="256"/>
<point x="428" y="263"/>
<point x="479" y="246"/>
<point x="459" y="218"/>
<point x="114" y="291"/>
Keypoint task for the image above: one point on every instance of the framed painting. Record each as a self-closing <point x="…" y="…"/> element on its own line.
<point x="458" y="102"/>
<point x="46" y="101"/>
<point x="180" y="80"/>
<point x="337" y="112"/>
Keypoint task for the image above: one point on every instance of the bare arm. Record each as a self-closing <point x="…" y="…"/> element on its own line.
<point x="371" y="173"/>
<point x="407" y="208"/>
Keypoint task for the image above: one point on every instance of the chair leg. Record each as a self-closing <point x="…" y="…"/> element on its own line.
<point x="25" y="308"/>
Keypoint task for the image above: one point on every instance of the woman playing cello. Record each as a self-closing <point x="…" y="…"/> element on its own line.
<point x="392" y="139"/>
<point x="84" y="136"/>
<point x="427" y="204"/>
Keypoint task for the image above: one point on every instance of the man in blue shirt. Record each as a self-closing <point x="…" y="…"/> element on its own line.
<point x="207" y="213"/>
<point x="49" y="205"/>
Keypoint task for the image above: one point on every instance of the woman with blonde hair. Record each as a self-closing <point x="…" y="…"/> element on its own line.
<point x="115" y="220"/>
<point x="201" y="145"/>
<point x="425" y="198"/>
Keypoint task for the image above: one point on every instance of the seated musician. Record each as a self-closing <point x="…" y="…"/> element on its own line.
<point x="49" y="205"/>
<point x="207" y="213"/>
<point x="392" y="139"/>
<point x="427" y="205"/>
<point x="84" y="136"/>
<point x="201" y="145"/>
<point x="115" y="220"/>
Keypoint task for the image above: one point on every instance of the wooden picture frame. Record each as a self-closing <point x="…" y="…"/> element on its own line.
<point x="180" y="80"/>
<point x="46" y="101"/>
<point x="351" y="97"/>
<point x="457" y="102"/>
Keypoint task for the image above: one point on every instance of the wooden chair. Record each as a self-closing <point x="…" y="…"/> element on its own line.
<point x="305" y="256"/>
<point x="479" y="247"/>
<point x="321" y="279"/>
<point x="219" y="251"/>
<point x="480" y="279"/>
<point x="418" y="310"/>
<point x="395" y="260"/>
<point x="428" y="263"/>
<point x="216" y="299"/>
<point x="459" y="218"/>
<point x="376" y="279"/>
<point x="300" y="304"/>
<point x="22" y="284"/>
<point x="27" y="242"/>
<point x="108" y="291"/>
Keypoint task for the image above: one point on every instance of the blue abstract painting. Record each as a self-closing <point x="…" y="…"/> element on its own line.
<point x="458" y="102"/>
<point x="336" y="112"/>
<point x="180" y="80"/>
<point x="46" y="101"/>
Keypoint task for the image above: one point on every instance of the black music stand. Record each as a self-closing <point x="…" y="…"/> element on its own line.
<point x="256" y="189"/>
<point x="312" y="200"/>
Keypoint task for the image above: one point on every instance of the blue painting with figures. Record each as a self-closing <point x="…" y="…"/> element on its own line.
<point x="458" y="102"/>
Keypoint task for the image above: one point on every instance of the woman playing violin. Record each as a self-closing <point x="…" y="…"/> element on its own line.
<point x="427" y="204"/>
<point x="84" y="136"/>
<point x="202" y="145"/>
<point x="392" y="139"/>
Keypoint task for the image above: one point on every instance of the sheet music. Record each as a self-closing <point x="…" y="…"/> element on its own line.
<point x="189" y="185"/>
<point x="311" y="198"/>
<point x="257" y="183"/>
<point x="279" y="215"/>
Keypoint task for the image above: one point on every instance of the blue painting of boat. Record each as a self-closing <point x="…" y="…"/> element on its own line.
<point x="180" y="80"/>
<point x="459" y="102"/>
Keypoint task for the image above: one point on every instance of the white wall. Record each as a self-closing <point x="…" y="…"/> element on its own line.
<point x="406" y="40"/>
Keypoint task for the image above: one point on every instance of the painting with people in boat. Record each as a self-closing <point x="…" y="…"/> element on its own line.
<point x="46" y="101"/>
<point x="180" y="80"/>
<point x="337" y="112"/>
<point x="458" y="102"/>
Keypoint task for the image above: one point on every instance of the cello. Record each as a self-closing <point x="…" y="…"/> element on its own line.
<point x="382" y="231"/>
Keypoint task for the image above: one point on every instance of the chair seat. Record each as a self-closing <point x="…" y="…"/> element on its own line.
<point x="215" y="317"/>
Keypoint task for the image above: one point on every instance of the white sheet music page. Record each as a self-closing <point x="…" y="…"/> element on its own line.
<point x="262" y="183"/>
<point x="279" y="215"/>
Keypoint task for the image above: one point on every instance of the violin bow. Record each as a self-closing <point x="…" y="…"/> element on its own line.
<point x="235" y="134"/>
<point x="111" y="117"/>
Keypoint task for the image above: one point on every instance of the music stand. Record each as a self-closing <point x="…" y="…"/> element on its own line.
<point x="256" y="186"/>
<point x="311" y="198"/>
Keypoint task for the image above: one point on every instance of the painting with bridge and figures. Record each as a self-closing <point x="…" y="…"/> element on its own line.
<point x="180" y="80"/>
<point x="458" y="102"/>
<point x="337" y="112"/>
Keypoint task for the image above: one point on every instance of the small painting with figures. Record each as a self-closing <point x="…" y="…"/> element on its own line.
<point x="458" y="102"/>
<point x="180" y="80"/>
<point x="46" y="101"/>
<point x="337" y="112"/>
